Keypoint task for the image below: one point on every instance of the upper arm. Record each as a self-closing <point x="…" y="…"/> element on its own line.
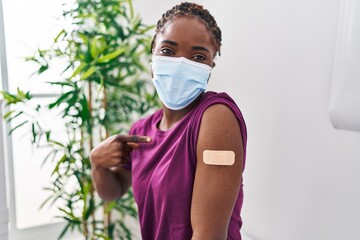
<point x="216" y="187"/>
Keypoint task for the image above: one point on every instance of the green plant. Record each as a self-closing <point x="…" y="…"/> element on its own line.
<point x="103" y="87"/>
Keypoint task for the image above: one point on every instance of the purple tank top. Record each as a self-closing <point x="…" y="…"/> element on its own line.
<point x="163" y="173"/>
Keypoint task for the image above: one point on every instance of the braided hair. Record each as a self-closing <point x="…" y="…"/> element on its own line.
<point x="190" y="9"/>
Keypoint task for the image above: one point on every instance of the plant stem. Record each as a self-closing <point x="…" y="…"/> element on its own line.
<point x="104" y="101"/>
<point x="85" y="230"/>
<point x="91" y="145"/>
<point x="107" y="215"/>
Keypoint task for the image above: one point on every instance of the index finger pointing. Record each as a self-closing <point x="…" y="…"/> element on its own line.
<point x="133" y="138"/>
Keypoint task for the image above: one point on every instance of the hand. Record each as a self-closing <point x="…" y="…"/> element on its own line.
<point x="115" y="150"/>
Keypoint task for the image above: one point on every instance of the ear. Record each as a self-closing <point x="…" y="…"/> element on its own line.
<point x="214" y="60"/>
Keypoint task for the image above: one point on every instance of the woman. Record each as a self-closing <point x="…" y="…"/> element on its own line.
<point x="185" y="161"/>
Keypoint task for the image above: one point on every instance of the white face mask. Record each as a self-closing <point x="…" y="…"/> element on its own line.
<point x="179" y="81"/>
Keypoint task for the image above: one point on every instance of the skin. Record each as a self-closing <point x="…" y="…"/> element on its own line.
<point x="179" y="40"/>
<point x="111" y="181"/>
<point x="216" y="187"/>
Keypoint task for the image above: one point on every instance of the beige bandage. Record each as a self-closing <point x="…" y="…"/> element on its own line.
<point x="217" y="157"/>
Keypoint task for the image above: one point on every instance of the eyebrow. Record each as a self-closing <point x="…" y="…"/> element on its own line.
<point x="200" y="48"/>
<point x="169" y="42"/>
<point x="193" y="47"/>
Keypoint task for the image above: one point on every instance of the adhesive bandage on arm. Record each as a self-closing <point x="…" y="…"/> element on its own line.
<point x="219" y="157"/>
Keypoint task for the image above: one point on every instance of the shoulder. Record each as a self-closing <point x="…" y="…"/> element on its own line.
<point x="221" y="105"/>
<point x="219" y="113"/>
<point x="213" y="98"/>
<point x="218" y="128"/>
<point x="214" y="114"/>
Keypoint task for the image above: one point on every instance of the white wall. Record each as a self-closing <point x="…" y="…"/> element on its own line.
<point x="4" y="213"/>
<point x="302" y="179"/>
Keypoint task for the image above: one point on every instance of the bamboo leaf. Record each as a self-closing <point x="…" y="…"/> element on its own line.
<point x="98" y="45"/>
<point x="61" y="83"/>
<point x="120" y="31"/>
<point x="59" y="35"/>
<point x="146" y="29"/>
<point x="110" y="206"/>
<point x="33" y="131"/>
<point x="63" y="232"/>
<point x="61" y="99"/>
<point x="111" y="55"/>
<point x="68" y="213"/>
<point x="62" y="160"/>
<point x="22" y="94"/>
<point x="125" y="229"/>
<point x="57" y="143"/>
<point x="10" y="118"/>
<point x="13" y="99"/>
<point x="19" y="125"/>
<point x="78" y="178"/>
<point x="88" y="73"/>
<point x="131" y="8"/>
<point x="72" y="221"/>
<point x="55" y="198"/>
<point x="78" y="69"/>
<point x="85" y="115"/>
<point x="43" y="68"/>
<point x="47" y="134"/>
<point x="51" y="153"/>
<point x="8" y="114"/>
<point x="89" y="210"/>
<point x="45" y="201"/>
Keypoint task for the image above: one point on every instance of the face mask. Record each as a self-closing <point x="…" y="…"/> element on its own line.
<point x="179" y="81"/>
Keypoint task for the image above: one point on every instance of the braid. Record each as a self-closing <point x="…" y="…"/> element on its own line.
<point x="190" y="9"/>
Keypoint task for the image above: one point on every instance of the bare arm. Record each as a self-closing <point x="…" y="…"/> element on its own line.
<point x="216" y="187"/>
<point x="111" y="181"/>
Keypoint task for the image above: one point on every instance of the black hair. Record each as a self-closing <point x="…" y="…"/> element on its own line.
<point x="190" y="9"/>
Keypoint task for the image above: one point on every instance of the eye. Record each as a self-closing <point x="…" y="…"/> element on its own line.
<point x="167" y="51"/>
<point x="199" y="57"/>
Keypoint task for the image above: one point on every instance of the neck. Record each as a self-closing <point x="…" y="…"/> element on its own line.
<point x="171" y="117"/>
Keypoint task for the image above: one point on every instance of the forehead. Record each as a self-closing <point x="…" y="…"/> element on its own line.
<point x="189" y="30"/>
